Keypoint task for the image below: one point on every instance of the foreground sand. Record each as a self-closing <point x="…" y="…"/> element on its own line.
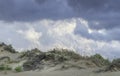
<point x="70" y="72"/>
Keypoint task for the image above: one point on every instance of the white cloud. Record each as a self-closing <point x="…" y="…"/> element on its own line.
<point x="62" y="27"/>
<point x="31" y="35"/>
<point x="102" y="31"/>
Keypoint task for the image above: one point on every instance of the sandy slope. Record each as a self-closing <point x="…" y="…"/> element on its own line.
<point x="70" y="72"/>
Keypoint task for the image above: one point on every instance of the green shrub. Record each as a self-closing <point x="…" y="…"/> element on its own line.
<point x="18" y="69"/>
<point x="9" y="48"/>
<point x="2" y="44"/>
<point x="113" y="66"/>
<point x="116" y="60"/>
<point x="99" y="60"/>
<point x="2" y="68"/>
<point x="64" y="54"/>
<point x="8" y="68"/>
<point x="5" y="67"/>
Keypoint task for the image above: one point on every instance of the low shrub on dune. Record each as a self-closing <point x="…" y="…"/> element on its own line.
<point x="114" y="66"/>
<point x="18" y="69"/>
<point x="99" y="60"/>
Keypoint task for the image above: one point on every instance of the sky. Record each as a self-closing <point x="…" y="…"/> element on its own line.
<point x="85" y="26"/>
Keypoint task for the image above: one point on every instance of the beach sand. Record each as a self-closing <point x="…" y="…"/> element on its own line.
<point x="69" y="72"/>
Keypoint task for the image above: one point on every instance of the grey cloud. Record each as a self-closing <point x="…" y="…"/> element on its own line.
<point x="95" y="6"/>
<point x="101" y="15"/>
<point x="87" y="5"/>
<point x="104" y="24"/>
<point x="31" y="10"/>
<point x="40" y="1"/>
<point x="102" y="33"/>
<point x="105" y="35"/>
<point x="104" y="11"/>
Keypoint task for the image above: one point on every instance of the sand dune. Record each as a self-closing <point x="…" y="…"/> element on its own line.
<point x="57" y="62"/>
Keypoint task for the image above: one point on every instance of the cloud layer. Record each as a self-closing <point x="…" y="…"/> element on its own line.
<point x="102" y="16"/>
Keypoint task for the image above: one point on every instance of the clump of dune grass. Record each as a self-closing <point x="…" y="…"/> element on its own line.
<point x="5" y="67"/>
<point x="63" y="54"/>
<point x="99" y="60"/>
<point x="18" y="69"/>
<point x="114" y="66"/>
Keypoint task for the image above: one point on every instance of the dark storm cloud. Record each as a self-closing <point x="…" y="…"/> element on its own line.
<point x="104" y="24"/>
<point x="31" y="10"/>
<point x="104" y="11"/>
<point x="101" y="15"/>
<point x="95" y="6"/>
<point x="40" y="1"/>
<point x="87" y="5"/>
